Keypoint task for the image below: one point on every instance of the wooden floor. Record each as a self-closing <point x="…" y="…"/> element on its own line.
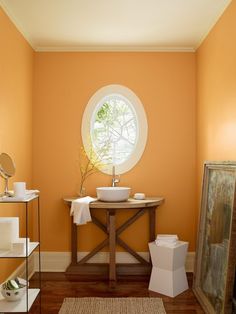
<point x="56" y="287"/>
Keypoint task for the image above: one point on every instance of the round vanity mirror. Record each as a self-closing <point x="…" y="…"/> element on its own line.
<point x="7" y="170"/>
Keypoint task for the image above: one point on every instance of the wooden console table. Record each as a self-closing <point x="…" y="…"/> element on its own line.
<point x="113" y="238"/>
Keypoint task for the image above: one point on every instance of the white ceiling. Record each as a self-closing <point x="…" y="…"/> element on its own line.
<point x="108" y="25"/>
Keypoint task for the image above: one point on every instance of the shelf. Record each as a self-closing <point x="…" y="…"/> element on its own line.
<point x="22" y="306"/>
<point x="12" y="199"/>
<point x="10" y="254"/>
<point x="19" y="306"/>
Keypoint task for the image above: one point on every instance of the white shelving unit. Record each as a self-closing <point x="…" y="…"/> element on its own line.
<point x="26" y="302"/>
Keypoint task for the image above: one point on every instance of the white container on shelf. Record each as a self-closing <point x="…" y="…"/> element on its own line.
<point x="19" y="246"/>
<point x="19" y="189"/>
<point x="14" y="294"/>
<point x="9" y="232"/>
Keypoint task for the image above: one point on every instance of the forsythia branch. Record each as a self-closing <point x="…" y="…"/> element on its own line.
<point x="90" y="163"/>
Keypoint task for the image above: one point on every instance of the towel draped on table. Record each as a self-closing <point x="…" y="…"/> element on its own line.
<point x="80" y="210"/>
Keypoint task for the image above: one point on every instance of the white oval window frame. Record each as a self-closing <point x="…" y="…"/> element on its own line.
<point x="141" y="118"/>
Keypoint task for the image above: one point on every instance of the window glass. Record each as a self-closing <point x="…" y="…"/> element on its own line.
<point x="114" y="129"/>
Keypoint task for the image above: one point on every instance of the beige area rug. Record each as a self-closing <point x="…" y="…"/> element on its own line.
<point x="112" y="306"/>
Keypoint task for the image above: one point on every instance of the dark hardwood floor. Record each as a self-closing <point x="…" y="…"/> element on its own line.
<point x="56" y="287"/>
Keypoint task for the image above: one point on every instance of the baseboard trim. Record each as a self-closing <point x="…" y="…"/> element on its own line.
<point x="59" y="261"/>
<point x="20" y="271"/>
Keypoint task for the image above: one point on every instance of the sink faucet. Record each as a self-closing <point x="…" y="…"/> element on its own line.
<point x="115" y="179"/>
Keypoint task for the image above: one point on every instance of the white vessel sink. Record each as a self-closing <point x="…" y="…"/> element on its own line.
<point x="113" y="194"/>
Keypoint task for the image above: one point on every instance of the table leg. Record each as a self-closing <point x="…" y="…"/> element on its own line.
<point x="112" y="246"/>
<point x="152" y="224"/>
<point x="73" y="242"/>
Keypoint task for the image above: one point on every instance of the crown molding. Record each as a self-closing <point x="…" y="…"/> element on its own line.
<point x="212" y="24"/>
<point x="88" y="48"/>
<point x="16" y="23"/>
<point x="109" y="48"/>
<point x="114" y="49"/>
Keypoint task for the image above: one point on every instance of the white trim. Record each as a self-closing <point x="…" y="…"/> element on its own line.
<point x="137" y="105"/>
<point x="59" y="261"/>
<point x="98" y="48"/>
<point x="212" y="24"/>
<point x="119" y="48"/>
<point x="91" y="48"/>
<point x="20" y="271"/>
<point x="114" y="49"/>
<point x="17" y="23"/>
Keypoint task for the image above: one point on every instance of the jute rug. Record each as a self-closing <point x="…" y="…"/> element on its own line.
<point x="112" y="306"/>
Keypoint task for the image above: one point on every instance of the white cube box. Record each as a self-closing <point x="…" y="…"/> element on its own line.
<point x="168" y="275"/>
<point x="19" y="246"/>
<point x="9" y="232"/>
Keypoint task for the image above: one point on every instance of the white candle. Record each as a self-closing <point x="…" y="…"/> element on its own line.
<point x="9" y="231"/>
<point x="19" y="189"/>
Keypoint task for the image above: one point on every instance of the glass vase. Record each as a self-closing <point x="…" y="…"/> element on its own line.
<point x="82" y="191"/>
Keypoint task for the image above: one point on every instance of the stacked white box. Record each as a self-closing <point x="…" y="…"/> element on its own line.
<point x="19" y="246"/>
<point x="168" y="275"/>
<point x="9" y="232"/>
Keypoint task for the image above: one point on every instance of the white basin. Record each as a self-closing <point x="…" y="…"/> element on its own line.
<point x="113" y="194"/>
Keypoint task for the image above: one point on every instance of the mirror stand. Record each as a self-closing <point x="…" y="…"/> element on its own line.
<point x="7" y="170"/>
<point x="6" y="192"/>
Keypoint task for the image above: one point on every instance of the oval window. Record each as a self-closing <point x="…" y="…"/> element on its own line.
<point x="115" y="124"/>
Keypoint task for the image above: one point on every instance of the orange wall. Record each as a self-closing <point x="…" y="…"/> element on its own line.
<point x="216" y="93"/>
<point x="165" y="83"/>
<point x="16" y="78"/>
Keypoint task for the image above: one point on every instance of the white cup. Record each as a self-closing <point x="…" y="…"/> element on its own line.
<point x="19" y="189"/>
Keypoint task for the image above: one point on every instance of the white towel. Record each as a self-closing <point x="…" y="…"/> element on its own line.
<point x="80" y="210"/>
<point x="168" y="240"/>
<point x="167" y="237"/>
<point x="166" y="243"/>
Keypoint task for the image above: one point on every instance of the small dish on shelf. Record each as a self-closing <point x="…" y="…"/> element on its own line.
<point x="13" y="290"/>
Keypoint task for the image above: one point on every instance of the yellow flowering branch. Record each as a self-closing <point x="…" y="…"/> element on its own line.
<point x="90" y="162"/>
